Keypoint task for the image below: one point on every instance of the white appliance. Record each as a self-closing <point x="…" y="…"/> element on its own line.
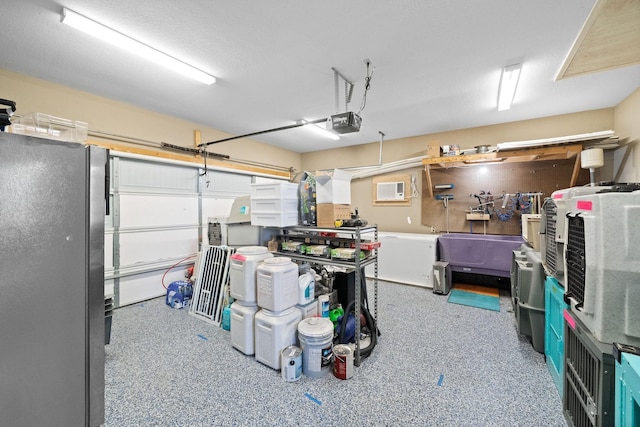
<point x="236" y="229"/>
<point x="406" y="258"/>
<point x="389" y="191"/>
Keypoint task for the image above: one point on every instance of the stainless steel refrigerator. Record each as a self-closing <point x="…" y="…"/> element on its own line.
<point x="52" y="321"/>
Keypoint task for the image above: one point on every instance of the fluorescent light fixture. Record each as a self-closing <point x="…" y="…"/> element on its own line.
<point x="116" y="38"/>
<point x="320" y="130"/>
<point x="508" y="85"/>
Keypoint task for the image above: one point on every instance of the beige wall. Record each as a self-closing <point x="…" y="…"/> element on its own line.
<point x="397" y="149"/>
<point x="627" y="125"/>
<point x="105" y="115"/>
<point x="408" y="218"/>
<point x="110" y="116"/>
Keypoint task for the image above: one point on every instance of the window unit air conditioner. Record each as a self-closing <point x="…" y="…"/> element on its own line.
<point x="390" y="191"/>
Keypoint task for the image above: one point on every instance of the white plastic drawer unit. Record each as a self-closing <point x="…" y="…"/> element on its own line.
<point x="286" y="190"/>
<point x="274" y="204"/>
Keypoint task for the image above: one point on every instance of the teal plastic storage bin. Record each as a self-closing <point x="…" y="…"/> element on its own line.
<point x="554" y="329"/>
<point x="628" y="391"/>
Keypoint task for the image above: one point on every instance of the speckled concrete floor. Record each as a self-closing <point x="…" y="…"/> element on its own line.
<point x="436" y="364"/>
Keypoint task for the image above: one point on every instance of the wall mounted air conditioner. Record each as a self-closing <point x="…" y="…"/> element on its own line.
<point x="602" y="263"/>
<point x="390" y="191"/>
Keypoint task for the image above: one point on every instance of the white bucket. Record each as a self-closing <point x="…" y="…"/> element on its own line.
<point x="316" y="338"/>
<point x="291" y="363"/>
<point x="277" y="280"/>
<point x="242" y="326"/>
<point x="275" y="331"/>
<point x="242" y="273"/>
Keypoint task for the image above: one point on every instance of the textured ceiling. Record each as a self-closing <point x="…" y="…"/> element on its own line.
<point x="437" y="63"/>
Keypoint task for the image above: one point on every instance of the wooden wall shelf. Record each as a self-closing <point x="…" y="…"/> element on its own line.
<point x="560" y="152"/>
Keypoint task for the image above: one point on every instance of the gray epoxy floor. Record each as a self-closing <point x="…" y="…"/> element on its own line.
<point x="436" y="364"/>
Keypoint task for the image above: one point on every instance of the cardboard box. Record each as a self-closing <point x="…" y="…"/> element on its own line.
<point x="328" y="213"/>
<point x="433" y="149"/>
<point x="333" y="187"/>
<point x="450" y="150"/>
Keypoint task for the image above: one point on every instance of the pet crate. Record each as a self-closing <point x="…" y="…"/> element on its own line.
<point x="553" y="230"/>
<point x="530" y="301"/>
<point x="589" y="385"/>
<point x="552" y="251"/>
<point x="603" y="264"/>
<point x="516" y="256"/>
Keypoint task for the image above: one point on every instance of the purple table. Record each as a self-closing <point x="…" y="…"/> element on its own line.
<point x="479" y="253"/>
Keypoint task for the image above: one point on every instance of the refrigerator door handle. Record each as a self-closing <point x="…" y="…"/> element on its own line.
<point x="107" y="184"/>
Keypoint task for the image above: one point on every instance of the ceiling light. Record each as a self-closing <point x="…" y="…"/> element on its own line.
<point x="116" y="38"/>
<point x="320" y="130"/>
<point x="508" y="85"/>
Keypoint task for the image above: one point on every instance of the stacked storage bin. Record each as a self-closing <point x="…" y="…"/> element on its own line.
<point x="274" y="204"/>
<point x="242" y="280"/>
<point x="277" y="320"/>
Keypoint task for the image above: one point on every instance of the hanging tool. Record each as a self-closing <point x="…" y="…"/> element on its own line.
<point x="445" y="198"/>
<point x="445" y="202"/>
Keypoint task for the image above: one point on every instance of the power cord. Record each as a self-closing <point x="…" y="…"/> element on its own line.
<point x="367" y="86"/>
<point x="414" y="188"/>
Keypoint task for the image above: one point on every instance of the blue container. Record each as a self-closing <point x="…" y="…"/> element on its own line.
<point x="628" y="391"/>
<point x="226" y="318"/>
<point x="554" y="330"/>
<point x="179" y="294"/>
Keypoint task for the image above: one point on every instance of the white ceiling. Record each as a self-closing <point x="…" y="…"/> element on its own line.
<point x="437" y="62"/>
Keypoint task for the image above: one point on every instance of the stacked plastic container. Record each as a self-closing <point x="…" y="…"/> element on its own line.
<point x="243" y="287"/>
<point x="274" y="204"/>
<point x="277" y="321"/>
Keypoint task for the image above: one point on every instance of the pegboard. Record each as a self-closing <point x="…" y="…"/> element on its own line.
<point x="497" y="179"/>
